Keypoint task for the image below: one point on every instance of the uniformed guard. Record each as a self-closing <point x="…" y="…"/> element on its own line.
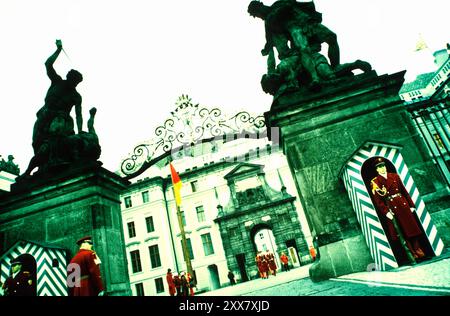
<point x="264" y="266"/>
<point x="271" y="261"/>
<point x="19" y="283"/>
<point x="83" y="272"/>
<point x="171" y="283"/>
<point x="393" y="201"/>
<point x="258" y="261"/>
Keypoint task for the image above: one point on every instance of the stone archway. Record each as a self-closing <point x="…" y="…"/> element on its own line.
<point x="264" y="240"/>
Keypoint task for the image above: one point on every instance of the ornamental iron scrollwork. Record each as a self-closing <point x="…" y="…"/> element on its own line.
<point x="189" y="124"/>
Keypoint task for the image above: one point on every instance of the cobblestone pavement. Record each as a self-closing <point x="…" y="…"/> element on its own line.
<point x="431" y="278"/>
<point x="305" y="287"/>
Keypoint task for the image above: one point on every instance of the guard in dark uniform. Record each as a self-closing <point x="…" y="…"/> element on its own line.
<point x="20" y="283"/>
<point x="392" y="199"/>
<point x="89" y="282"/>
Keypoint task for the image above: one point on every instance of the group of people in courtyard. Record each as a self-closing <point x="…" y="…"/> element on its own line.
<point x="266" y="264"/>
<point x="181" y="284"/>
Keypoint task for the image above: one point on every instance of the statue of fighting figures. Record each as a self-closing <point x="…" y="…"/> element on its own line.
<point x="295" y="30"/>
<point x="55" y="144"/>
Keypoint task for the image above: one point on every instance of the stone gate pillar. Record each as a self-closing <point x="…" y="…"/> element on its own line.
<point x="318" y="132"/>
<point x="58" y="211"/>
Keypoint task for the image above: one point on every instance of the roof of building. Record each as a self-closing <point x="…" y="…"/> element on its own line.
<point x="421" y="82"/>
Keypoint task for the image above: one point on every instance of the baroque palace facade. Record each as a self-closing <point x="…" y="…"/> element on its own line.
<point x="238" y="198"/>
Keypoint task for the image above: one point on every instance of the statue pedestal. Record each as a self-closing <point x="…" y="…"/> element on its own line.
<point x="318" y="133"/>
<point x="60" y="210"/>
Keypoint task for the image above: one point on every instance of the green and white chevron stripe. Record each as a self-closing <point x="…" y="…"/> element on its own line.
<point x="365" y="211"/>
<point x="51" y="281"/>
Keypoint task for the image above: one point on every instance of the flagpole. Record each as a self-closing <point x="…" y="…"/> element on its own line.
<point x="184" y="243"/>
<point x="176" y="181"/>
<point x="171" y="234"/>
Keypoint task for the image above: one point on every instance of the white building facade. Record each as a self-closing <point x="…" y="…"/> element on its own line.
<point x="152" y="233"/>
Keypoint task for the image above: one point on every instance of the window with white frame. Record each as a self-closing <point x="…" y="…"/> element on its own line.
<point x="183" y="217"/>
<point x="194" y="186"/>
<point x="200" y="213"/>
<point x="207" y="244"/>
<point x="159" y="284"/>
<point x="131" y="230"/>
<point x="128" y="203"/>
<point x="145" y="197"/>
<point x="149" y="224"/>
<point x="154" y="256"/>
<point x="135" y="261"/>
<point x="139" y="289"/>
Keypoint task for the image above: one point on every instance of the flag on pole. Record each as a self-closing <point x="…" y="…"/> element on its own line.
<point x="176" y="181"/>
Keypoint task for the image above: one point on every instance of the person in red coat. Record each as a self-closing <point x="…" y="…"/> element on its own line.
<point x="85" y="267"/>
<point x="171" y="283"/>
<point x="265" y="266"/>
<point x="272" y="264"/>
<point x="312" y="253"/>
<point x="258" y="260"/>
<point x="19" y="283"/>
<point x="392" y="200"/>
<point x="285" y="261"/>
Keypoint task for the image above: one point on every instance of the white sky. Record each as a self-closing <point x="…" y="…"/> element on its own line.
<point x="138" y="56"/>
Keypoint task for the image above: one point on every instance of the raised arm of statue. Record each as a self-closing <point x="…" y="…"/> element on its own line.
<point x="78" y="114"/>
<point x="90" y="123"/>
<point x="51" y="60"/>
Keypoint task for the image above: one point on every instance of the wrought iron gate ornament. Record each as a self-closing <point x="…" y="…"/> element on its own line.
<point x="188" y="126"/>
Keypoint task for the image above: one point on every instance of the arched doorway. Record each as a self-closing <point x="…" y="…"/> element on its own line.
<point x="264" y="241"/>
